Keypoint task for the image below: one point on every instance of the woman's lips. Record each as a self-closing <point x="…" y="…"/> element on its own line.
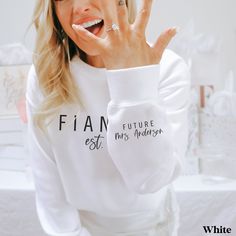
<point x="93" y="25"/>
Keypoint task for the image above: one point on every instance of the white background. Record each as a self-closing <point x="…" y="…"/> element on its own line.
<point x="213" y="17"/>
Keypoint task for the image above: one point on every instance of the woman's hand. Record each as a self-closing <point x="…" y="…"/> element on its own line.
<point x="127" y="46"/>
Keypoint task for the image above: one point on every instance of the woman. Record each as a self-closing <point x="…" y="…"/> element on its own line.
<point x="107" y="119"/>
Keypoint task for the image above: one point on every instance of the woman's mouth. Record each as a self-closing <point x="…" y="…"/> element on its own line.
<point x="93" y="26"/>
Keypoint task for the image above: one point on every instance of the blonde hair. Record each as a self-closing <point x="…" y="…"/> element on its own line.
<point x="53" y="52"/>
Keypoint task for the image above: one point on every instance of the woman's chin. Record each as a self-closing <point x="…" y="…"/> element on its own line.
<point x="88" y="49"/>
<point x="91" y="53"/>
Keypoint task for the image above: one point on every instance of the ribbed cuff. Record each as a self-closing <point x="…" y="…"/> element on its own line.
<point x="132" y="84"/>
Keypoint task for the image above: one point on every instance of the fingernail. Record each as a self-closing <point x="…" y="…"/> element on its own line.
<point x="176" y="28"/>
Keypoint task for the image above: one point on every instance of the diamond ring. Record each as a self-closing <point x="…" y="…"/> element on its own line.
<point x="114" y="27"/>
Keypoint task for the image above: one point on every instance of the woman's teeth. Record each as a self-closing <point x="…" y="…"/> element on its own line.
<point x="91" y="23"/>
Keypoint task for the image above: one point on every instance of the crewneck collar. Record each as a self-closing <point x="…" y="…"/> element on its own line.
<point x="78" y="66"/>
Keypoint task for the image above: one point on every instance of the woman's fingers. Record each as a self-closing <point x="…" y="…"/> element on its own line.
<point x="109" y="11"/>
<point x="143" y="15"/>
<point x="85" y="35"/>
<point x="163" y="41"/>
<point x="122" y="14"/>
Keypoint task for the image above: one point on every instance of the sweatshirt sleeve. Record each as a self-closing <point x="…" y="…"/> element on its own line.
<point x="147" y="129"/>
<point x="56" y="216"/>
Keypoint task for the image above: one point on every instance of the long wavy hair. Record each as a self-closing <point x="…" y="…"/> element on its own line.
<point x="53" y="52"/>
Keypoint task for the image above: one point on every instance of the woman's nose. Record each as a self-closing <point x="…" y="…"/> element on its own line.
<point x="81" y="6"/>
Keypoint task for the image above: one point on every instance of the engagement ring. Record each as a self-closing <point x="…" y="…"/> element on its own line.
<point x="113" y="27"/>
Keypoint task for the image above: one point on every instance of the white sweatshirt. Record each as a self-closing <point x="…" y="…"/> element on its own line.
<point x="119" y="156"/>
